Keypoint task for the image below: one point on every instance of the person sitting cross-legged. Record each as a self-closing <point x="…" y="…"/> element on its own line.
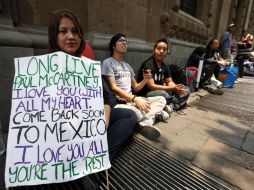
<point x="121" y="80"/>
<point x="162" y="83"/>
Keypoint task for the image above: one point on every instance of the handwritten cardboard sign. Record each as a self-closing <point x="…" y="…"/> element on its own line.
<point x="57" y="126"/>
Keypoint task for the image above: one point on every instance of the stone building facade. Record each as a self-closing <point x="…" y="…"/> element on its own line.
<point x="187" y="23"/>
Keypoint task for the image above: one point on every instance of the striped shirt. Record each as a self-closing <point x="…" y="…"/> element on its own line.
<point x="245" y="46"/>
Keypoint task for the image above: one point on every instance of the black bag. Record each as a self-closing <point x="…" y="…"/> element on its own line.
<point x="178" y="74"/>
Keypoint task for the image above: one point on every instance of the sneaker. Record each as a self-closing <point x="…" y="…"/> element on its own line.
<point x="213" y="90"/>
<point x="149" y="132"/>
<point x="237" y="81"/>
<point x="163" y="116"/>
<point x="216" y="83"/>
<point x="169" y="109"/>
<point x="182" y="112"/>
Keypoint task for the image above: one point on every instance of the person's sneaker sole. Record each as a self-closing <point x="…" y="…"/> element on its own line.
<point x="149" y="132"/>
<point x="213" y="90"/>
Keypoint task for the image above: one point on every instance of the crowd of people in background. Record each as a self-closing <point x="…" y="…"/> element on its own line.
<point x="221" y="55"/>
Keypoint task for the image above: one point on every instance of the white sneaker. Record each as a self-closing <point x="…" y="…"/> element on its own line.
<point x="163" y="116"/>
<point x="169" y="109"/>
<point x="149" y="132"/>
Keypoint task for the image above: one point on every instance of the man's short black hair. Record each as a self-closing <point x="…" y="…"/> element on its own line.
<point x="164" y="40"/>
<point x="113" y="41"/>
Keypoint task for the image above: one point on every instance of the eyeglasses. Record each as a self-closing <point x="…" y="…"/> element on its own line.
<point x="122" y="40"/>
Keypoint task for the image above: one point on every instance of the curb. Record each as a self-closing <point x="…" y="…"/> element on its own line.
<point x="195" y="96"/>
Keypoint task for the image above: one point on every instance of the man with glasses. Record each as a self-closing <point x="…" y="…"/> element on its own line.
<point x="161" y="83"/>
<point x="120" y="77"/>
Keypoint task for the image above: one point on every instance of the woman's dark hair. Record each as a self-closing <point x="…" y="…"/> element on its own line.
<point x="210" y="52"/>
<point x="53" y="30"/>
<point x="164" y="40"/>
<point x="113" y="41"/>
<point x="208" y="46"/>
<point x="199" y="50"/>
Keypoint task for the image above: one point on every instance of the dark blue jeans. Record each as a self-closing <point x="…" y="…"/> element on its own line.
<point x="240" y="60"/>
<point x="121" y="126"/>
<point x="172" y="99"/>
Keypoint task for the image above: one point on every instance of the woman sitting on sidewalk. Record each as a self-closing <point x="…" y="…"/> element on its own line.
<point x="65" y="34"/>
<point x="209" y="66"/>
<point x="213" y="56"/>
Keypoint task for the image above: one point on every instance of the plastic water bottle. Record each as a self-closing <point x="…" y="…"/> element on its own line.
<point x="200" y="66"/>
<point x="231" y="61"/>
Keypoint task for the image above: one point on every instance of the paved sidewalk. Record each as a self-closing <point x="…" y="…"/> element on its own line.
<point x="220" y="145"/>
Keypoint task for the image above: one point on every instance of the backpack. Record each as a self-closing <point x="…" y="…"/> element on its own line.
<point x="191" y="74"/>
<point x="228" y="75"/>
<point x="178" y="74"/>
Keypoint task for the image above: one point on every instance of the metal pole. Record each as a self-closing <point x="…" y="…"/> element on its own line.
<point x="200" y="66"/>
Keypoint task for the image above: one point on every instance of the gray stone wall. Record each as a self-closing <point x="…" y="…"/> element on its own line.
<point x="140" y="50"/>
<point x="7" y="54"/>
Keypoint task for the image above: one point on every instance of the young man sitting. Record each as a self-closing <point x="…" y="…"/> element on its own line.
<point x="162" y="83"/>
<point x="121" y="80"/>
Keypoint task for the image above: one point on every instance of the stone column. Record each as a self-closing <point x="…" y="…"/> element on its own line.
<point x="248" y="13"/>
<point x="222" y="17"/>
<point x="251" y="23"/>
<point x="240" y="16"/>
<point x="9" y="36"/>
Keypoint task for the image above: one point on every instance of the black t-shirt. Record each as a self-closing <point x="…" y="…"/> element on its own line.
<point x="214" y="54"/>
<point x="159" y="74"/>
<point x="108" y="95"/>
